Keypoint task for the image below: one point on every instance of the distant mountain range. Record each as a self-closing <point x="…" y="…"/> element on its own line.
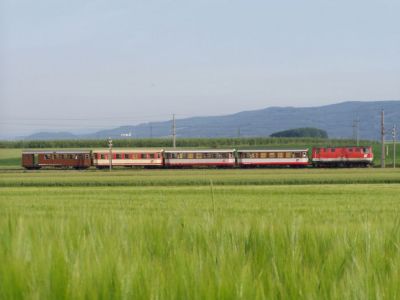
<point x="336" y="119"/>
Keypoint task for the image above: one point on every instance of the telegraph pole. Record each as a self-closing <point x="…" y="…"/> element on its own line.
<point x="383" y="138"/>
<point x="173" y="131"/>
<point x="356" y="125"/>
<point x="110" y="152"/>
<point x="394" y="145"/>
<point x="151" y="131"/>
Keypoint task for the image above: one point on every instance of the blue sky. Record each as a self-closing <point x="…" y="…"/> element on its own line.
<point x="71" y="65"/>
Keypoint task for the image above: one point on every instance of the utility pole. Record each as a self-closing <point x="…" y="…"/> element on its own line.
<point x="383" y="138"/>
<point x="151" y="131"/>
<point x="110" y="153"/>
<point x="394" y="145"/>
<point x="173" y="131"/>
<point x="356" y="136"/>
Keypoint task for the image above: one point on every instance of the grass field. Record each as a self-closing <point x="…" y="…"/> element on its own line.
<point x="199" y="234"/>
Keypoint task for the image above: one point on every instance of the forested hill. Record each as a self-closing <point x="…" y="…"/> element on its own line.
<point x="336" y="119"/>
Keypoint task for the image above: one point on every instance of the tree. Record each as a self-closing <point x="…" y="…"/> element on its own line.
<point x="302" y="132"/>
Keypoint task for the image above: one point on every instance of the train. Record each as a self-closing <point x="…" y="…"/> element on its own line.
<point x="320" y="157"/>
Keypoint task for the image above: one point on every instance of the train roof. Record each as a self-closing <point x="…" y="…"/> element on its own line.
<point x="273" y="150"/>
<point x="136" y="150"/>
<point x="56" y="152"/>
<point x="351" y="146"/>
<point x="201" y="151"/>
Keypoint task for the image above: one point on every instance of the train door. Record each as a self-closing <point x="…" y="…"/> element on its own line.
<point x="35" y="161"/>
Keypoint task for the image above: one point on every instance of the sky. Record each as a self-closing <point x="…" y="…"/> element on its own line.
<point x="82" y="66"/>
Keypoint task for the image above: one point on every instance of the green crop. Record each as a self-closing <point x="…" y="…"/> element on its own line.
<point x="198" y="242"/>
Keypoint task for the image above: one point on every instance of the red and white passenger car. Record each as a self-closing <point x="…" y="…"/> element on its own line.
<point x="193" y="158"/>
<point x="128" y="158"/>
<point x="343" y="156"/>
<point x="257" y="158"/>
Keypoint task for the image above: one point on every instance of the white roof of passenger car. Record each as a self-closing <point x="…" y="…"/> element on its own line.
<point x="201" y="151"/>
<point x="135" y="150"/>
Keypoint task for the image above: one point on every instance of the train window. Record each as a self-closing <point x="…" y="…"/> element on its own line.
<point x="263" y="155"/>
<point x="86" y="156"/>
<point x="350" y="149"/>
<point x="126" y="156"/>
<point x="118" y="156"/>
<point x="280" y="154"/>
<point x="199" y="155"/>
<point x="272" y="155"/>
<point x="151" y="155"/>
<point x="304" y="154"/>
<point x="47" y="156"/>
<point x="288" y="155"/>
<point x="333" y="150"/>
<point x="102" y="156"/>
<point x="366" y="150"/>
<point x="143" y="155"/>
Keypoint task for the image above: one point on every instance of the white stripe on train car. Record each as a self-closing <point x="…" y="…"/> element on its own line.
<point x="255" y="161"/>
<point x="172" y="161"/>
<point x="128" y="162"/>
<point x="343" y="159"/>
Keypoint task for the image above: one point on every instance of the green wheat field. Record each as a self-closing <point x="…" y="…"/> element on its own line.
<point x="200" y="234"/>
